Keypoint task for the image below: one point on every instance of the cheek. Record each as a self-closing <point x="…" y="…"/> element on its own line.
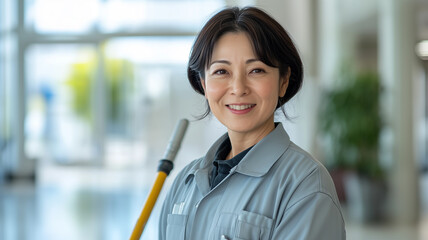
<point x="269" y="92"/>
<point x="214" y="90"/>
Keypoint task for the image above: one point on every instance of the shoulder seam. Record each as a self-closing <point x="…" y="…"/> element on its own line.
<point x="314" y="193"/>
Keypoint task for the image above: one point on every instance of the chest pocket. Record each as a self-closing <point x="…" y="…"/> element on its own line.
<point x="176" y="226"/>
<point x="243" y="226"/>
<point x="253" y="226"/>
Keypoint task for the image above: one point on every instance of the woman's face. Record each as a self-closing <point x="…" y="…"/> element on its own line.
<point x="241" y="90"/>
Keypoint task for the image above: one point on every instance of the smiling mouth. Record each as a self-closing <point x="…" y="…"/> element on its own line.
<point x="241" y="107"/>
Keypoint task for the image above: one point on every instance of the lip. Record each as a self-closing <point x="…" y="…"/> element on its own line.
<point x="243" y="111"/>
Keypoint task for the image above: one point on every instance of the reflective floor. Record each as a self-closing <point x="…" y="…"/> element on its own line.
<point x="75" y="203"/>
<point x="89" y="203"/>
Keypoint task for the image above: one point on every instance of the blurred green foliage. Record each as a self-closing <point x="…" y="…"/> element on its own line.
<point x="119" y="78"/>
<point x="119" y="75"/>
<point x="350" y="118"/>
<point x="80" y="81"/>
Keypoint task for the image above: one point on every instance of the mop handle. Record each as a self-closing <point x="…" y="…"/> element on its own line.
<point x="164" y="168"/>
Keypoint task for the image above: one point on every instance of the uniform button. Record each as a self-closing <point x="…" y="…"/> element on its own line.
<point x="224" y="237"/>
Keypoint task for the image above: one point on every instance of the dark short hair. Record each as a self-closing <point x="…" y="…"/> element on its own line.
<point x="271" y="42"/>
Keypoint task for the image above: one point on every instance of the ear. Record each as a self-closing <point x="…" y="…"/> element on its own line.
<point x="284" y="83"/>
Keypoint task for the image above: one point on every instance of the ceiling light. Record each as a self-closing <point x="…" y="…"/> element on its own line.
<point x="422" y="49"/>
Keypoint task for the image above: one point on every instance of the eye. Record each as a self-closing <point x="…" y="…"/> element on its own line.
<point x="220" y="72"/>
<point x="258" y="70"/>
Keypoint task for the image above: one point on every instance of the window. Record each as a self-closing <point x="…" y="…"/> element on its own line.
<point x="106" y="83"/>
<point x="110" y="16"/>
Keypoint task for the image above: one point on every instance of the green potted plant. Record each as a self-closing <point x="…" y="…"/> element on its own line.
<point x="350" y="123"/>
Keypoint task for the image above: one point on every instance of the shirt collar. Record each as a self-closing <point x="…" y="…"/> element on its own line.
<point x="257" y="161"/>
<point x="260" y="159"/>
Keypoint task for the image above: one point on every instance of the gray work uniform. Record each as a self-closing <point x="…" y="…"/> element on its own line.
<point x="277" y="191"/>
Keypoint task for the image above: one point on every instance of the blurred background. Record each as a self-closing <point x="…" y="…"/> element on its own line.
<point x="90" y="91"/>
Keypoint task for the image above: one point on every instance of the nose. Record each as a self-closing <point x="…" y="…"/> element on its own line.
<point x="239" y="86"/>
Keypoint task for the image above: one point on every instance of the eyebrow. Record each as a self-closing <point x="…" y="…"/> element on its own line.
<point x="229" y="63"/>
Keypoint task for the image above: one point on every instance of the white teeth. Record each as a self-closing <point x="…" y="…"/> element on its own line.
<point x="241" y="107"/>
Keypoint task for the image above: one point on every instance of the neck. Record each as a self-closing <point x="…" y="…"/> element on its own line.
<point x="241" y="141"/>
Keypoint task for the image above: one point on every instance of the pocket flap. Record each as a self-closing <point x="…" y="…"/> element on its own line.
<point x="253" y="226"/>
<point x="177" y="219"/>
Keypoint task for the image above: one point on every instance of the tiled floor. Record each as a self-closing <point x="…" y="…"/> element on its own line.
<point x="70" y="203"/>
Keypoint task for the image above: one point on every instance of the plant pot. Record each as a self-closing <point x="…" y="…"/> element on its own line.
<point x="365" y="198"/>
<point x="338" y="176"/>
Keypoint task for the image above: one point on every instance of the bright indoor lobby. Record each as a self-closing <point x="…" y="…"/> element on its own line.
<point x="91" y="90"/>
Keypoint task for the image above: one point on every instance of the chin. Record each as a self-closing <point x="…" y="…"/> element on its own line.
<point x="241" y="126"/>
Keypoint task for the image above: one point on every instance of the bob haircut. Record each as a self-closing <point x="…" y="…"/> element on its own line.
<point x="271" y="44"/>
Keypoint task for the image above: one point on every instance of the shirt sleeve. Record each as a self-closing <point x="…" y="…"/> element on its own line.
<point x="168" y="203"/>
<point x="315" y="216"/>
<point x="167" y="208"/>
<point x="164" y="215"/>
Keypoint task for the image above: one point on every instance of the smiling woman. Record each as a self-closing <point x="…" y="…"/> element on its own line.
<point x="253" y="183"/>
<point x="241" y="90"/>
<point x="269" y="41"/>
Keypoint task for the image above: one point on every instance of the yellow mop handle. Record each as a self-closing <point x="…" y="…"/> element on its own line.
<point x="164" y="168"/>
<point x="148" y="207"/>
